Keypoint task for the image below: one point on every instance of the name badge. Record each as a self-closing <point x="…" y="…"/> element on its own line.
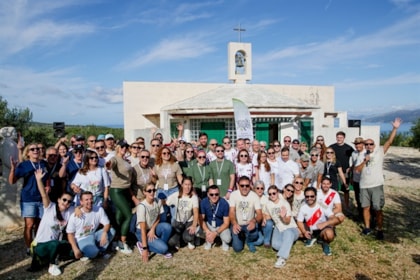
<point x="219" y="182"/>
<point x="165" y="187"/>
<point x="213" y="223"/>
<point x="52" y="182"/>
<point x="244" y="217"/>
<point x="203" y="188"/>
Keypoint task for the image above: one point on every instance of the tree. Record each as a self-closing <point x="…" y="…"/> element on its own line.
<point x="18" y="118"/>
<point x="415" y="130"/>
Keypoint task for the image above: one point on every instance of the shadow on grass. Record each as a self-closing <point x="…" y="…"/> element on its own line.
<point x="416" y="258"/>
<point x="360" y="276"/>
<point x="401" y="219"/>
<point x="406" y="167"/>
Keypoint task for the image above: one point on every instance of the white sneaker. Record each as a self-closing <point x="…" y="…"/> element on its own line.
<point x="54" y="270"/>
<point x="280" y="263"/>
<point x="191" y="246"/>
<point x="225" y="246"/>
<point x="126" y="249"/>
<point x="84" y="259"/>
<point x="207" y="246"/>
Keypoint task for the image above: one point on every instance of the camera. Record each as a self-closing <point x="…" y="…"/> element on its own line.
<point x="59" y="129"/>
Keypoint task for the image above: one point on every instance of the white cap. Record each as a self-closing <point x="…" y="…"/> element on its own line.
<point x="109" y="136"/>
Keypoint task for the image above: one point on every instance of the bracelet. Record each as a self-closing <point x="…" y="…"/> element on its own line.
<point x="229" y="190"/>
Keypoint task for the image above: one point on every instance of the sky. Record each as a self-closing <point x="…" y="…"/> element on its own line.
<point x="67" y="60"/>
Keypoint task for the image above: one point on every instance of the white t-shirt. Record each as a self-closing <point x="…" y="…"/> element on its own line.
<point x="263" y="201"/>
<point x="329" y="199"/>
<point x="313" y="215"/>
<point x="50" y="227"/>
<point x="298" y="200"/>
<point x="265" y="176"/>
<point x="245" y="206"/>
<point x="230" y="155"/>
<point x="149" y="212"/>
<point x="184" y="206"/>
<point x="372" y="173"/>
<point x="88" y="223"/>
<point x="244" y="170"/>
<point x="276" y="170"/>
<point x="287" y="172"/>
<point x="355" y="160"/>
<point x="274" y="210"/>
<point x="94" y="181"/>
<point x="211" y="156"/>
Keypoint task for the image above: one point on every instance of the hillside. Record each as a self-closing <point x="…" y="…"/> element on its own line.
<point x="407" y="115"/>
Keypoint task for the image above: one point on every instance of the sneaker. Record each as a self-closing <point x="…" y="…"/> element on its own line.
<point x="366" y="231"/>
<point x="191" y="246"/>
<point x="380" y="235"/>
<point x="225" y="246"/>
<point x="84" y="259"/>
<point x="139" y="247"/>
<point x="326" y="249"/>
<point x="167" y="256"/>
<point x="251" y="247"/>
<point x="54" y="270"/>
<point x="310" y="242"/>
<point x="126" y="249"/>
<point x="280" y="263"/>
<point x="28" y="252"/>
<point x="207" y="246"/>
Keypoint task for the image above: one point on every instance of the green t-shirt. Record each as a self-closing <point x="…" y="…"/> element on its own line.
<point x="220" y="173"/>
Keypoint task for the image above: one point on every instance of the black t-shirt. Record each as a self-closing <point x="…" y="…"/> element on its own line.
<point x="331" y="170"/>
<point x="343" y="154"/>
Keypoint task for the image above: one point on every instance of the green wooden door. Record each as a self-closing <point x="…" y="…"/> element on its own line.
<point x="215" y="130"/>
<point x="306" y="131"/>
<point x="262" y="131"/>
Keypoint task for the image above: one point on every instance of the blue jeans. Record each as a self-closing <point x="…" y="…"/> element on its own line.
<point x="283" y="241"/>
<point x="90" y="245"/>
<point x="160" y="245"/>
<point x="244" y="236"/>
<point x="264" y="234"/>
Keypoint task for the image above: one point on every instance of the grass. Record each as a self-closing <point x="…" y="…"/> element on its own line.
<point x="354" y="256"/>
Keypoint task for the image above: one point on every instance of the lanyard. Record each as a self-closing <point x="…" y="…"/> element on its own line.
<point x="215" y="211"/>
<point x="219" y="170"/>
<point x="202" y="174"/>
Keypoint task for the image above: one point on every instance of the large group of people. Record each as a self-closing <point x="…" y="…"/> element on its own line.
<point x="78" y="198"/>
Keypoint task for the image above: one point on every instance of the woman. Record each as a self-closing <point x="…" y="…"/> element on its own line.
<point x="30" y="198"/>
<point x="122" y="177"/>
<point x="303" y="148"/>
<point x="92" y="178"/>
<point x="277" y="148"/>
<point x="332" y="169"/>
<point x="48" y="243"/>
<point x="298" y="196"/>
<point x="185" y="221"/>
<point x="320" y="145"/>
<point x="42" y="150"/>
<point x="243" y="166"/>
<point x="200" y="174"/>
<point x="285" y="231"/>
<point x="274" y="166"/>
<point x="264" y="171"/>
<point x="153" y="236"/>
<point x="71" y="165"/>
<point x="133" y="158"/>
<point x="168" y="172"/>
<point x="266" y="227"/>
<point x="188" y="161"/>
<point x="62" y="151"/>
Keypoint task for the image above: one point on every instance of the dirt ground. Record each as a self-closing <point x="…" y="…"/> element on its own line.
<point x="354" y="256"/>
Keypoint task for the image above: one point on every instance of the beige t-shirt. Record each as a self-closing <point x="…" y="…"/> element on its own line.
<point x="245" y="206"/>
<point x="167" y="174"/>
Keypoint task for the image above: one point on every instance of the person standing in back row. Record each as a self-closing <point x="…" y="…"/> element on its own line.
<point x="343" y="153"/>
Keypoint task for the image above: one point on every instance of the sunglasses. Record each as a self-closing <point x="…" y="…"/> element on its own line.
<point x="151" y="191"/>
<point x="190" y="152"/>
<point x="78" y="152"/>
<point x="91" y="140"/>
<point x="309" y="196"/>
<point x="65" y="199"/>
<point x="135" y="147"/>
<point x="166" y="153"/>
<point x="99" y="147"/>
<point x="369" y="144"/>
<point x="272" y="193"/>
<point x="201" y="157"/>
<point x="226" y="143"/>
<point x="181" y="142"/>
<point x="297" y="182"/>
<point x="155" y="145"/>
<point x="247" y="143"/>
<point x="219" y="151"/>
<point x="52" y="155"/>
<point x="213" y="144"/>
<point x="144" y="156"/>
<point x="314" y="155"/>
<point x="270" y="153"/>
<point x="329" y="152"/>
<point x="292" y="191"/>
<point x="34" y="149"/>
<point x="93" y="157"/>
<point x="244" y="186"/>
<point x="41" y="148"/>
<point x="276" y="145"/>
<point x="259" y="188"/>
<point x="319" y="139"/>
<point x="243" y="155"/>
<point x="287" y="141"/>
<point x="213" y="194"/>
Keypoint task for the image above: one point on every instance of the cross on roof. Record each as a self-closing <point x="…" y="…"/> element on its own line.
<point x="239" y="30"/>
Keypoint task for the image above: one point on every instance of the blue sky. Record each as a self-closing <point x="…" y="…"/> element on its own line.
<point x="66" y="60"/>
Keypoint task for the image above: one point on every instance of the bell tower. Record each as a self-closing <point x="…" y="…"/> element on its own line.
<point x="239" y="62"/>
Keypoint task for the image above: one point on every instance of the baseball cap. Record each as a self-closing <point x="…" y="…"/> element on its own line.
<point x="295" y="141"/>
<point x="80" y="137"/>
<point x="100" y="137"/>
<point x="78" y="147"/>
<point x="358" y="140"/>
<point x="109" y="136"/>
<point x="123" y="143"/>
<point x="304" y="157"/>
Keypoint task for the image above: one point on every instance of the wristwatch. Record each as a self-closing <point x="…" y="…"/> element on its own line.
<point x="145" y="248"/>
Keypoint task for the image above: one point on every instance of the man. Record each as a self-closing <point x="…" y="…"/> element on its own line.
<point x="101" y="151"/>
<point x="245" y="213"/>
<point x="55" y="185"/>
<point x="211" y="153"/>
<point x="294" y="150"/>
<point x="319" y="222"/>
<point x="110" y="144"/>
<point x="154" y="148"/>
<point x="303" y="165"/>
<point x="222" y="173"/>
<point x="372" y="181"/>
<point x="215" y="218"/>
<point x="329" y="198"/>
<point x="202" y="139"/>
<point x="91" y="142"/>
<point x="287" y="140"/>
<point x="253" y="154"/>
<point x="314" y="171"/>
<point x="230" y="152"/>
<point x="343" y="153"/>
<point x="288" y="169"/>
<point x="81" y="232"/>
<point x="263" y="146"/>
<point x="247" y="144"/>
<point x="357" y="158"/>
